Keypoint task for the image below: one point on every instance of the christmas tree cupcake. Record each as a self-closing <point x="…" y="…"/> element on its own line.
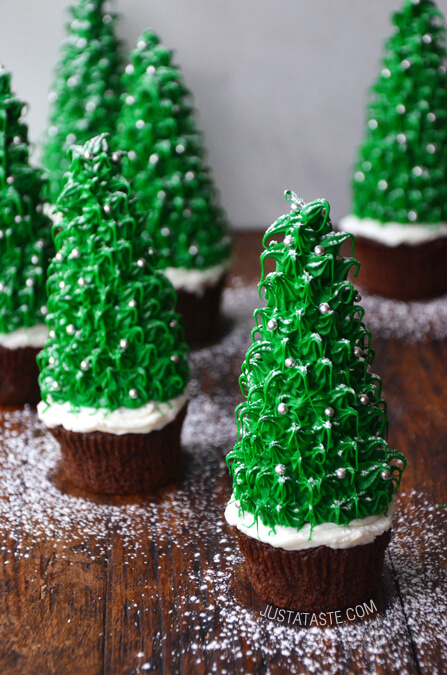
<point x="85" y="98"/>
<point x="177" y="195"/>
<point x="114" y="368"/>
<point x="399" y="212"/>
<point x="25" y="246"/>
<point x="313" y="476"/>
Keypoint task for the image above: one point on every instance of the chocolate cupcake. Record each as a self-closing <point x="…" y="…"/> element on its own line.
<point x="399" y="211"/>
<point x="174" y="185"/>
<point x="114" y="368"/>
<point x="25" y="246"/>
<point x="313" y="475"/>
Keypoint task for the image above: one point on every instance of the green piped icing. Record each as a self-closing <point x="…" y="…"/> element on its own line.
<point x="401" y="171"/>
<point x="103" y="289"/>
<point x="25" y="232"/>
<point x="284" y="464"/>
<point x="85" y="97"/>
<point x="157" y="127"/>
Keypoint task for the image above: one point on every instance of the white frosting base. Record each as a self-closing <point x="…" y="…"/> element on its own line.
<point x="34" y="336"/>
<point x="50" y="211"/>
<point x="360" y="531"/>
<point x="392" y="234"/>
<point x="196" y="281"/>
<point x="149" y="417"/>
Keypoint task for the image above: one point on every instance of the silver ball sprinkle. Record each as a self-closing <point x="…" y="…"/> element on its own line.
<point x="58" y="257"/>
<point x="29" y="283"/>
<point x="52" y="334"/>
<point x="133" y="393"/>
<point x="358" y="351"/>
<point x="70" y="329"/>
<point x="329" y="412"/>
<point x="288" y="240"/>
<point x="357" y="297"/>
<point x="115" y="157"/>
<point x="282" y="408"/>
<point x="10" y="180"/>
<point x="55" y="385"/>
<point x="272" y="324"/>
<point x="385" y="474"/>
<point x="180" y="149"/>
<point x="319" y="250"/>
<point x="289" y="362"/>
<point x="124" y="343"/>
<point x="133" y="303"/>
<point x="44" y="310"/>
<point x="61" y="285"/>
<point x="2" y="287"/>
<point x="84" y="365"/>
<point x="173" y="323"/>
<point x="107" y="208"/>
<point x="364" y="399"/>
<point x="74" y="253"/>
<point x="325" y="308"/>
<point x="175" y="358"/>
<point x="141" y="262"/>
<point x="341" y="473"/>
<point x="35" y="259"/>
<point x="280" y="469"/>
<point x="81" y="282"/>
<point x="88" y="155"/>
<point x="51" y="360"/>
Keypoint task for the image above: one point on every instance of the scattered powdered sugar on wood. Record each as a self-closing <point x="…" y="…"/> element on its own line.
<point x="186" y="524"/>
<point x="409" y="321"/>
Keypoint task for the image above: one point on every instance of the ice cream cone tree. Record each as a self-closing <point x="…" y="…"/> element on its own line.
<point x="312" y="429"/>
<point x="400" y="173"/>
<point x="114" y="336"/>
<point x="25" y="232"/>
<point x="157" y="127"/>
<point x="85" y="96"/>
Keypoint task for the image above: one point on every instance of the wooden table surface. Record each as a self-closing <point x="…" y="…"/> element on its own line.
<point x="155" y="584"/>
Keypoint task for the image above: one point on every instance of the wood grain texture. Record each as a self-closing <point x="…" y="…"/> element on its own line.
<point x="170" y="595"/>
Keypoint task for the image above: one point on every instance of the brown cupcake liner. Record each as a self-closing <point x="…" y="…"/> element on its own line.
<point x="402" y="272"/>
<point x="122" y="464"/>
<point x="318" y="579"/>
<point x="201" y="312"/>
<point x="18" y="376"/>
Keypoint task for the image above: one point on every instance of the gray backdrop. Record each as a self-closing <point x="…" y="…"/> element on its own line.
<point x="280" y="85"/>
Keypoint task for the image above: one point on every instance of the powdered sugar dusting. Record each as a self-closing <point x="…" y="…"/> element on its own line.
<point x="410" y="321"/>
<point x="212" y="598"/>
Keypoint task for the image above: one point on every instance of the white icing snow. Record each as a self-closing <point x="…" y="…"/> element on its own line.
<point x="149" y="417"/>
<point x="358" y="532"/>
<point x="195" y="280"/>
<point x="34" y="336"/>
<point x="392" y="234"/>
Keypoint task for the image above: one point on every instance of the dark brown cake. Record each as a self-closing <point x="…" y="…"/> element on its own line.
<point x="18" y="376"/>
<point x="201" y="312"/>
<point x="122" y="464"/>
<point x="317" y="579"/>
<point x="402" y="272"/>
